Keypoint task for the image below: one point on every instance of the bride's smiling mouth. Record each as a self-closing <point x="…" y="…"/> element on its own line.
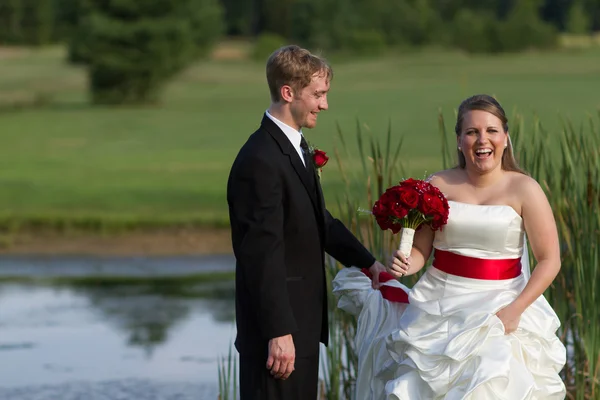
<point x="483" y="153"/>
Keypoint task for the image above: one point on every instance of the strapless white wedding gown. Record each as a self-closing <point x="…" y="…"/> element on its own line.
<point x="447" y="343"/>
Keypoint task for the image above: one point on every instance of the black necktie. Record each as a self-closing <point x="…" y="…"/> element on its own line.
<point x="305" y="151"/>
<point x="308" y="162"/>
<point x="310" y="167"/>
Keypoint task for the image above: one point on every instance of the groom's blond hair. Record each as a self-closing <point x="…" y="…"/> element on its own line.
<point x="294" y="66"/>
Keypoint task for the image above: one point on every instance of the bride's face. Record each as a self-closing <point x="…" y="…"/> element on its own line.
<point x="482" y="141"/>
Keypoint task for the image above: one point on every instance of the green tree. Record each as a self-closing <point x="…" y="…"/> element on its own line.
<point x="449" y="9"/>
<point x="10" y="21"/>
<point x="65" y="18"/>
<point x="413" y="22"/>
<point x="77" y="14"/>
<point x="578" y="22"/>
<point x="473" y="31"/>
<point x="206" y="19"/>
<point x="37" y="22"/>
<point x="364" y="26"/>
<point x="135" y="46"/>
<point x="593" y="9"/>
<point x="524" y="28"/>
<point x="394" y="30"/>
<point x="276" y="16"/>
<point x="26" y="22"/>
<point x="240" y="16"/>
<point x="305" y="16"/>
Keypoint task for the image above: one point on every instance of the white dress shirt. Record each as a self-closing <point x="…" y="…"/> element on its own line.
<point x="293" y="135"/>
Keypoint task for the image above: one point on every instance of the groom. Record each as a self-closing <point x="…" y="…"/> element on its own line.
<point x="280" y="232"/>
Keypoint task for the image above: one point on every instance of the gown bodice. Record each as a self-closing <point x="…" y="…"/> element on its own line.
<point x="481" y="231"/>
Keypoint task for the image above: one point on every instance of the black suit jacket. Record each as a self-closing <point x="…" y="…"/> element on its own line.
<point x="280" y="232"/>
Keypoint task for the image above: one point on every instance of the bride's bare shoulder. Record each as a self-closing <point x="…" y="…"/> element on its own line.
<point x="525" y="186"/>
<point x="445" y="178"/>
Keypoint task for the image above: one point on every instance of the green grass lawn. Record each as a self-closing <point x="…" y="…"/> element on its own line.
<point x="69" y="161"/>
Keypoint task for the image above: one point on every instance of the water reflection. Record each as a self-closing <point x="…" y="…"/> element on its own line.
<point x="148" y="311"/>
<point x="163" y="330"/>
<point x="146" y="319"/>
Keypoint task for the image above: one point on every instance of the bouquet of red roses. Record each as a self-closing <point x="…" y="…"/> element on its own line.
<point x="408" y="205"/>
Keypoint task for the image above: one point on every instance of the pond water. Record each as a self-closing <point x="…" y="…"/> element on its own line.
<point x="151" y="338"/>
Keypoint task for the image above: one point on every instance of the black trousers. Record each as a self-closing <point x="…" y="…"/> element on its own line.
<point x="257" y="383"/>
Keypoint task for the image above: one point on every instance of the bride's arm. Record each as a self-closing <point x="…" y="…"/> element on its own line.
<point x="543" y="236"/>
<point x="421" y="250"/>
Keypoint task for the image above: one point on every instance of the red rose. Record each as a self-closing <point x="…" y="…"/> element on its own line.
<point x="418" y="185"/>
<point x="383" y="205"/>
<point x="434" y="190"/>
<point x="389" y="197"/>
<point x="439" y="220"/>
<point x="431" y="205"/>
<point x="410" y="183"/>
<point x="398" y="211"/>
<point x="388" y="209"/>
<point x="384" y="223"/>
<point x="409" y="197"/>
<point x="390" y="204"/>
<point x="320" y="158"/>
<point x="380" y="209"/>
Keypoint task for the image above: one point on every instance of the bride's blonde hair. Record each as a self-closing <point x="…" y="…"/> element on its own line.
<point x="487" y="103"/>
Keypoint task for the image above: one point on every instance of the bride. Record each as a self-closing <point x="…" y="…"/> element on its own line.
<point x="476" y="325"/>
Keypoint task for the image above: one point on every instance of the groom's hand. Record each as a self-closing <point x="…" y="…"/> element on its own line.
<point x="282" y="355"/>
<point x="375" y="269"/>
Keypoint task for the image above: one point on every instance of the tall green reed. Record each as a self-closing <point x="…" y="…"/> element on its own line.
<point x="575" y="195"/>
<point x="227" y="374"/>
<point x="379" y="167"/>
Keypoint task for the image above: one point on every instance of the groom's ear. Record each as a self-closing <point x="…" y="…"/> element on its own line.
<point x="287" y="93"/>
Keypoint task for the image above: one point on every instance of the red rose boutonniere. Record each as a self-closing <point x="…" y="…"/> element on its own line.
<point x="319" y="158"/>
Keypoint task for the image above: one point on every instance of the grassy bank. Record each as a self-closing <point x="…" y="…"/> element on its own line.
<point x="68" y="166"/>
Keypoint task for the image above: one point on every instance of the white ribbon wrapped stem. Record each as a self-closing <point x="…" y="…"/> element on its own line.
<point x="407" y="236"/>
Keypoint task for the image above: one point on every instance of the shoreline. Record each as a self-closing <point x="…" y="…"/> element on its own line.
<point x="160" y="242"/>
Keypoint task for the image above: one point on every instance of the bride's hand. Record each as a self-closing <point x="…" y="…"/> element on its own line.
<point x="398" y="265"/>
<point x="510" y="318"/>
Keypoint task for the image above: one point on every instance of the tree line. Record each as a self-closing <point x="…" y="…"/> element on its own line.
<point x="371" y="25"/>
<point x="132" y="46"/>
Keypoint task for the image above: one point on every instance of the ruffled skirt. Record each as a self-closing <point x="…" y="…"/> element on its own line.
<point x="449" y="344"/>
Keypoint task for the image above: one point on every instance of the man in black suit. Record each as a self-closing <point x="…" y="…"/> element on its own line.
<point x="280" y="232"/>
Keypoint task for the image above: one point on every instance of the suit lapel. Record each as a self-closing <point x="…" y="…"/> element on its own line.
<point x="288" y="149"/>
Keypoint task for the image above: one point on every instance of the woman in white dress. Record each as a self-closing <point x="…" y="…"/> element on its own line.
<point x="477" y="325"/>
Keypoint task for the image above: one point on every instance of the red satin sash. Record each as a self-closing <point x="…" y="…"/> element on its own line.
<point x="476" y="268"/>
<point x="391" y="293"/>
